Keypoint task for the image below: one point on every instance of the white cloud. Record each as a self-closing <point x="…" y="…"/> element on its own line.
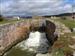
<point x="34" y="7"/>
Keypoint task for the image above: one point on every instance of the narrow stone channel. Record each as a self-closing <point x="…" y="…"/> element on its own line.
<point x="36" y="44"/>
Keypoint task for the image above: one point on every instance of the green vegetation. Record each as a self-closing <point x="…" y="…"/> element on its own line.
<point x="11" y="21"/>
<point x="16" y="51"/>
<point x="68" y="23"/>
<point x="6" y="21"/>
<point x="1" y="18"/>
<point x="61" y="46"/>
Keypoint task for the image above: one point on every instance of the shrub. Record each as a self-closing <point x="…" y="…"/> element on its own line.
<point x="64" y="18"/>
<point x="1" y="18"/>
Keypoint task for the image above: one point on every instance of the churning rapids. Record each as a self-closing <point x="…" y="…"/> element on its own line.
<point x="36" y="42"/>
<point x="35" y="45"/>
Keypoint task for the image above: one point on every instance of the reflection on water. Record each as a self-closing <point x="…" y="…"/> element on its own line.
<point x="19" y="52"/>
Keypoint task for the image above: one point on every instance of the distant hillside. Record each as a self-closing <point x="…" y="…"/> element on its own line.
<point x="65" y="14"/>
<point x="18" y="16"/>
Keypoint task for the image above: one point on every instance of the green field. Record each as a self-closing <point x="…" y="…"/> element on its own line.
<point x="10" y="21"/>
<point x="4" y="22"/>
<point x="68" y="23"/>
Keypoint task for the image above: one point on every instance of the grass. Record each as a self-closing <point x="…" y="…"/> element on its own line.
<point x="10" y="21"/>
<point x="68" y="23"/>
<point x="61" y="46"/>
<point x="65" y="40"/>
<point x="17" y="51"/>
<point x="6" y="21"/>
<point x="14" y="21"/>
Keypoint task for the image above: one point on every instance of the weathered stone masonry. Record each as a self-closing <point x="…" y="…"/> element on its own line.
<point x="11" y="34"/>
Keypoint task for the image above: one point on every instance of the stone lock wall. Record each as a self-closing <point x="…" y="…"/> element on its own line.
<point x="13" y="33"/>
<point x="4" y="29"/>
<point x="9" y="33"/>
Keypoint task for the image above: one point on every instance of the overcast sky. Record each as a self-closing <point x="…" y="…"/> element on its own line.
<point x="35" y="7"/>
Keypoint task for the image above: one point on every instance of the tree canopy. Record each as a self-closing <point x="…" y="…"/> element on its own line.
<point x="1" y="18"/>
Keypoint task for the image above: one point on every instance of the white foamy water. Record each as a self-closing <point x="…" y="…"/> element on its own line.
<point x="36" y="42"/>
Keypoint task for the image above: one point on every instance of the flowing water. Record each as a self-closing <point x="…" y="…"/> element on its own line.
<point x="36" y="43"/>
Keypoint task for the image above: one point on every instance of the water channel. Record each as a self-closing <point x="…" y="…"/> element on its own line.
<point x="36" y="43"/>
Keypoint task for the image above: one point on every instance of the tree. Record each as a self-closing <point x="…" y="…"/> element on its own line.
<point x="1" y="18"/>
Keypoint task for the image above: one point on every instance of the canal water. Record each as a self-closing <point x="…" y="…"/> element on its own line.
<point x="36" y="43"/>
